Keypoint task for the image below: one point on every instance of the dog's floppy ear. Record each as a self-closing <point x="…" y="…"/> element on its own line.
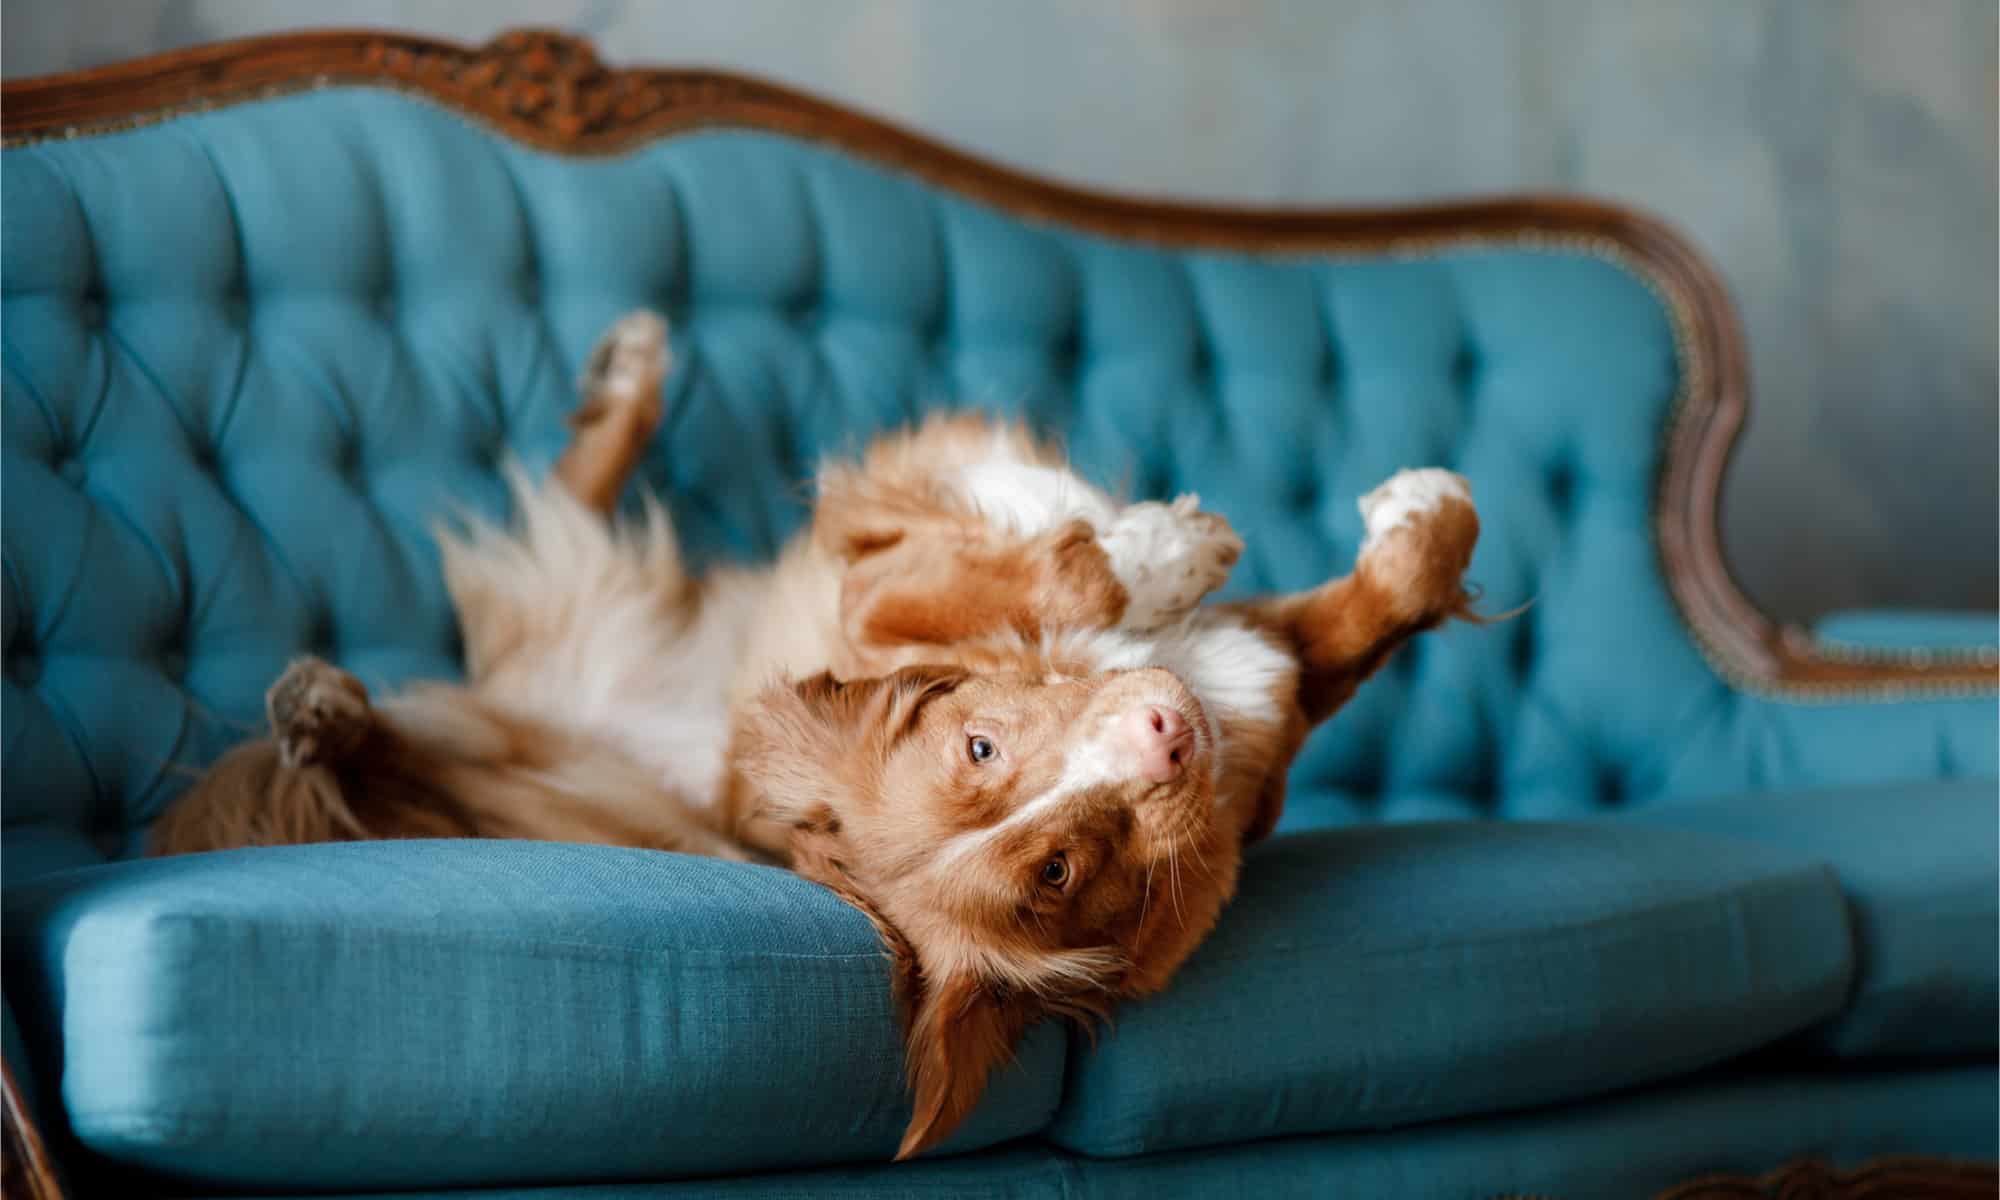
<point x="791" y="740"/>
<point x="798" y="744"/>
<point x="962" y="1028"/>
<point x="819" y="854"/>
<point x="955" y="1034"/>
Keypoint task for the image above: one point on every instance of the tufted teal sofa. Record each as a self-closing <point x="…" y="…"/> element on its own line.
<point x="1632" y="889"/>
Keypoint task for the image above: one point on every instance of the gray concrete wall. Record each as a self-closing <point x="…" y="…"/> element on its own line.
<point x="1835" y="157"/>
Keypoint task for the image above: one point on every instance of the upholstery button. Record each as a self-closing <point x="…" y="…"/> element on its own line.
<point x="1465" y="364"/>
<point x="91" y="312"/>
<point x="1524" y="649"/>
<point x="73" y="472"/>
<point x="25" y="666"/>
<point x="174" y="662"/>
<point x="385" y="306"/>
<point x="1561" y="489"/>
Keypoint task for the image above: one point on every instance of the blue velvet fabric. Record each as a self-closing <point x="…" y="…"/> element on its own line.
<point x="1612" y="1149"/>
<point x="250" y="354"/>
<point x="1920" y="866"/>
<point x="451" y="1013"/>
<point x="1386" y="976"/>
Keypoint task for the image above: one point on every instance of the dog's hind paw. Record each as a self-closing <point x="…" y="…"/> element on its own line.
<point x="1168" y="556"/>
<point x="319" y="713"/>
<point x="624" y="372"/>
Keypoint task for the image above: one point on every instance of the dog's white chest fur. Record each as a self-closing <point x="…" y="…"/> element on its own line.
<point x="1166" y="556"/>
<point x="1031" y="499"/>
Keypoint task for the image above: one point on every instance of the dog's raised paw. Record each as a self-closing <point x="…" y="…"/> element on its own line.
<point x="625" y="370"/>
<point x="1168" y="556"/>
<point x="1421" y="531"/>
<point x="319" y="713"/>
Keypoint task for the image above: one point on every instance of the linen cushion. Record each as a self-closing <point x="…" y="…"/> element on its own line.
<point x="453" y="1013"/>
<point x="1919" y="864"/>
<point x="1613" y="1148"/>
<point x="1394" y="974"/>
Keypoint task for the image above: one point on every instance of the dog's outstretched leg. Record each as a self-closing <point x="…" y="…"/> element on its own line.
<point x="620" y="409"/>
<point x="333" y="769"/>
<point x="1408" y="578"/>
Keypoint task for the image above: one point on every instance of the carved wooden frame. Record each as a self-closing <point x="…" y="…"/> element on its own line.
<point x="549" y="90"/>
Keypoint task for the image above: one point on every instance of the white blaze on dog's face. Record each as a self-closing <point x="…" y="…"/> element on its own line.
<point x="1044" y="844"/>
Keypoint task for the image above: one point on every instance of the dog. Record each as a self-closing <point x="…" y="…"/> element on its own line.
<point x="976" y="697"/>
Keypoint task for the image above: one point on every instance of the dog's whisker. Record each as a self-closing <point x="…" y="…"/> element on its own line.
<point x="1146" y="896"/>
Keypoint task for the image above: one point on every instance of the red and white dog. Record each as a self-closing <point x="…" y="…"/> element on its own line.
<point x="977" y="698"/>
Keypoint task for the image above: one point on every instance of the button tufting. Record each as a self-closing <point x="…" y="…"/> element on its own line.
<point x="91" y="312"/>
<point x="1465" y="365"/>
<point x="319" y="636"/>
<point x="25" y="666"/>
<point x="1562" y="489"/>
<point x="1523" y="648"/>
<point x="174" y="661"/>
<point x="73" y="472"/>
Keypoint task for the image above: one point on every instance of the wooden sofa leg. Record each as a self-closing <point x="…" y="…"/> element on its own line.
<point x="26" y="1170"/>
<point x="1899" y="1178"/>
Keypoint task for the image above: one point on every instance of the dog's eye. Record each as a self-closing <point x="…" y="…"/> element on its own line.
<point x="981" y="750"/>
<point x="1055" y="872"/>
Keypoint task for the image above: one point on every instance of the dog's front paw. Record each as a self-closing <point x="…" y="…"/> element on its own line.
<point x="319" y="713"/>
<point x="624" y="372"/>
<point x="1168" y="556"/>
<point x="1422" y="528"/>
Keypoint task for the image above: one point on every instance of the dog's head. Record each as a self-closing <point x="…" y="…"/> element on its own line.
<point x="1029" y="845"/>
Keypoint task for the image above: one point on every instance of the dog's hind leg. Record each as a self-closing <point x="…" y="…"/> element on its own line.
<point x="620" y="409"/>
<point x="332" y="770"/>
<point x="564" y="571"/>
<point x="435" y="761"/>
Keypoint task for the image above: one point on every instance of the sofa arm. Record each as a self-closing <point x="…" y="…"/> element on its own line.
<point x="1864" y="698"/>
<point x="1865" y="633"/>
<point x="1860" y="735"/>
<point x="1772" y="742"/>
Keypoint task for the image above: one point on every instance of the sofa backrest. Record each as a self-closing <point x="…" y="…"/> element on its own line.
<point x="251" y="353"/>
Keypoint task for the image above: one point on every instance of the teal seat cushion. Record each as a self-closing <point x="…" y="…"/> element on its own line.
<point x="1920" y="869"/>
<point x="1394" y="974"/>
<point x="1634" y="1145"/>
<point x="455" y="1013"/>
